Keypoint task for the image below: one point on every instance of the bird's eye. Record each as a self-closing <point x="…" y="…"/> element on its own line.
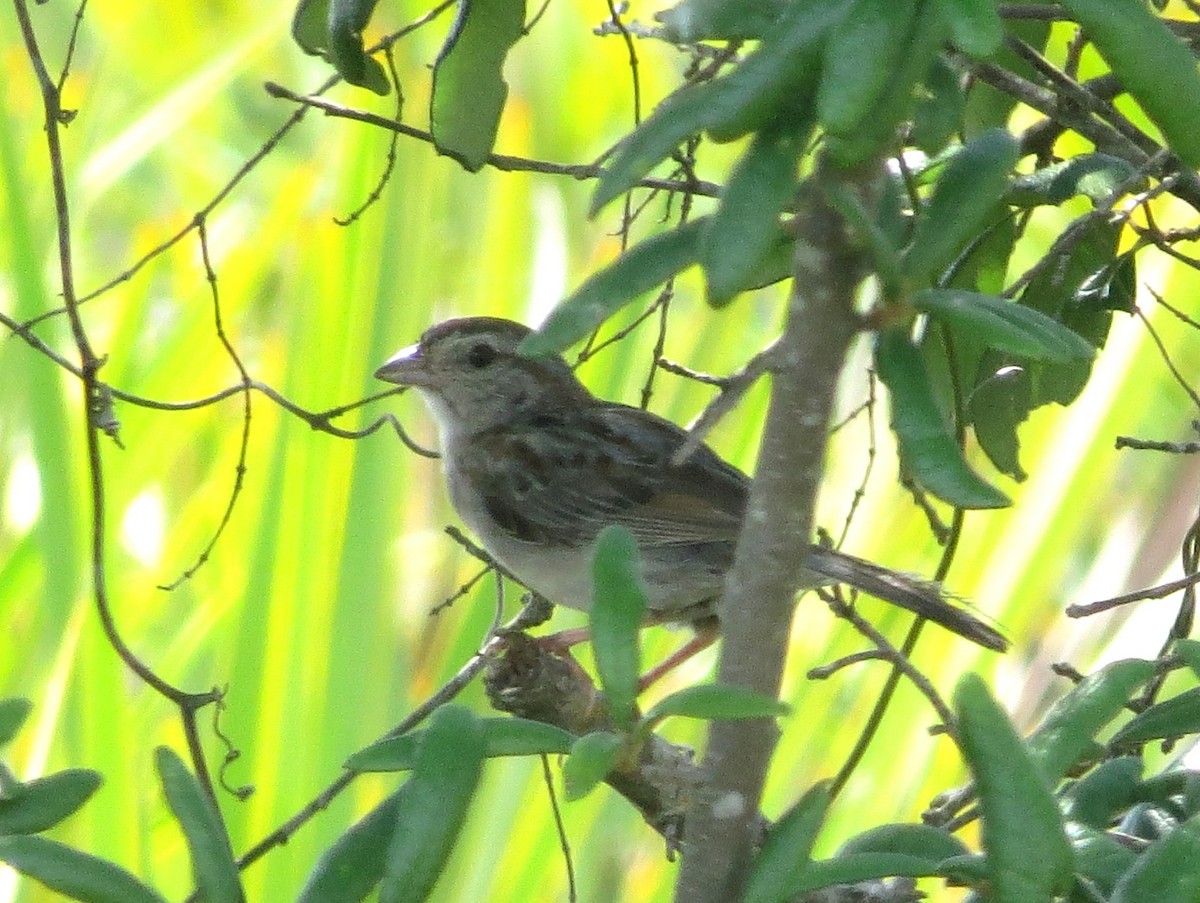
<point x="481" y="355"/>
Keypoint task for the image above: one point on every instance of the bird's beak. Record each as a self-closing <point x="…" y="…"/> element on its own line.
<point x="404" y="368"/>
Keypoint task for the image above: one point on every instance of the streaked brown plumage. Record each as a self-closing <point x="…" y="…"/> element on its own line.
<point x="537" y="466"/>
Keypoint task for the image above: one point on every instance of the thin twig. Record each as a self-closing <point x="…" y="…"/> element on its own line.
<point x="1155" y="592"/>
<point x="502" y="162"/>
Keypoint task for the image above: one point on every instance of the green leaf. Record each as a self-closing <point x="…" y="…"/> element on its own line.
<point x="938" y="114"/>
<point x="997" y="406"/>
<point x="640" y="269"/>
<point x="502" y="737"/>
<point x="927" y="447"/>
<point x="920" y="841"/>
<point x="772" y="83"/>
<point x="618" y="609"/>
<point x="1100" y="859"/>
<point x="975" y="26"/>
<point x="1029" y="856"/>
<point x="1095" y="176"/>
<point x="434" y="804"/>
<point x="215" y="872"/>
<point x="1155" y="66"/>
<point x="1167" y="872"/>
<point x="685" y="113"/>
<point x="13" y="713"/>
<point x="1174" y="717"/>
<point x="1108" y="789"/>
<point x="965" y="195"/>
<point x="1189" y="651"/>
<point x="353" y="865"/>
<point x="1074" y="290"/>
<point x="44" y="802"/>
<point x="469" y="90"/>
<point x="745" y="229"/>
<point x="310" y="27"/>
<point x="1070" y="727"/>
<point x="776" y="82"/>
<point x="719" y="20"/>
<point x="877" y="131"/>
<point x="592" y="758"/>
<point x="989" y="107"/>
<point x="788" y="847"/>
<point x="1004" y="325"/>
<point x="347" y="19"/>
<point x="861" y="57"/>
<point x="716" y="702"/>
<point x="73" y="874"/>
<point x="856" y="867"/>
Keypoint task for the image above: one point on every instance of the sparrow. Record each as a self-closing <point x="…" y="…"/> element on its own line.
<point x="536" y="466"/>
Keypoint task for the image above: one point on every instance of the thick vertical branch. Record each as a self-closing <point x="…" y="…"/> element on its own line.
<point x="757" y="609"/>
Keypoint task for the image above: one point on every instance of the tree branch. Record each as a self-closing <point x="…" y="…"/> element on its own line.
<point x="757" y="609"/>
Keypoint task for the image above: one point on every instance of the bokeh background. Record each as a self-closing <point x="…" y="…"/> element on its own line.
<point x="313" y="608"/>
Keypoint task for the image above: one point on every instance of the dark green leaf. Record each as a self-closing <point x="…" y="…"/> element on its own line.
<point x="592" y="758"/>
<point x="862" y="55"/>
<point x="1189" y="651"/>
<point x="716" y="702"/>
<point x="350" y="869"/>
<point x="927" y="447"/>
<point x="788" y="847"/>
<point x="965" y="195"/>
<point x="1071" y="289"/>
<point x="920" y="841"/>
<point x="468" y="79"/>
<point x="682" y="115"/>
<point x="215" y="872"/>
<point x="1174" y="717"/>
<point x="745" y="229"/>
<point x="775" y="83"/>
<point x="857" y="867"/>
<point x="1155" y="66"/>
<point x="618" y="609"/>
<point x="1095" y="176"/>
<point x="347" y="19"/>
<point x="1108" y="789"/>
<point x="434" y="804"/>
<point x="44" y="802"/>
<point x="989" y="107"/>
<point x="1029" y="856"/>
<point x="970" y="869"/>
<point x="1004" y="325"/>
<point x="771" y="84"/>
<point x="997" y="406"/>
<point x="1100" y="859"/>
<point x="719" y="20"/>
<point x="73" y="874"/>
<point x="1167" y="872"/>
<point x="640" y="269"/>
<point x="502" y="737"/>
<point x="938" y="114"/>
<point x="876" y="133"/>
<point x="1071" y="725"/>
<point x="975" y="26"/>
<point x="310" y="27"/>
<point x="13" y="713"/>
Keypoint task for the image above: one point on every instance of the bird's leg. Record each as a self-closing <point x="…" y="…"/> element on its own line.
<point x="706" y="634"/>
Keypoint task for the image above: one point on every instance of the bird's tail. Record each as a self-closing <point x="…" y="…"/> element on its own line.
<point x="922" y="597"/>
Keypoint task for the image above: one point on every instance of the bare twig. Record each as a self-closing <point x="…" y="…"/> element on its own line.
<point x="1155" y="592"/>
<point x="502" y="162"/>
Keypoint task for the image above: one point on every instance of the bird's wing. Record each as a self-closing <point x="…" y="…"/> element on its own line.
<point x="583" y="469"/>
